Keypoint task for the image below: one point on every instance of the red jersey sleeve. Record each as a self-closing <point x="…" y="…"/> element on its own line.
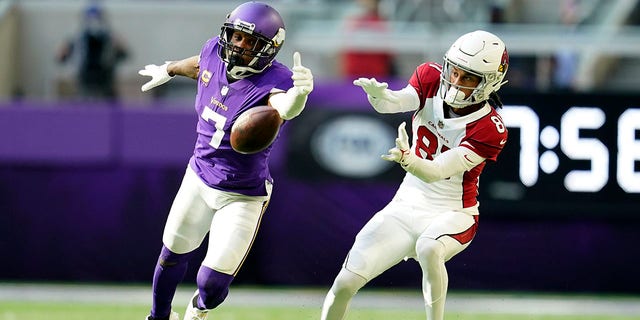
<point x="487" y="136"/>
<point x="426" y="80"/>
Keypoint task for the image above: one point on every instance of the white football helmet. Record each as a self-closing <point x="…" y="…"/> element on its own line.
<point x="480" y="53"/>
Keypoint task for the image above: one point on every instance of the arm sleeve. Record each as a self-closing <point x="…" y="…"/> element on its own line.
<point x="447" y="164"/>
<point x="408" y="100"/>
<point x="289" y="104"/>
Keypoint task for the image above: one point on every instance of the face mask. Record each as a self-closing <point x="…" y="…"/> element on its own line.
<point x="455" y="97"/>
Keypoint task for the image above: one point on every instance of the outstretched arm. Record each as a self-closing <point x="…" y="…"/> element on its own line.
<point x="188" y="67"/>
<point x="385" y="100"/>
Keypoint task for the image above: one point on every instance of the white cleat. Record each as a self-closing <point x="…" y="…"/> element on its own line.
<point x="193" y="313"/>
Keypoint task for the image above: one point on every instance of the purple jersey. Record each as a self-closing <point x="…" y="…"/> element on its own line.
<point x="218" y="104"/>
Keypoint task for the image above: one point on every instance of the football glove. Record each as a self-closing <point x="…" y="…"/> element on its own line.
<point x="291" y="103"/>
<point x="376" y="90"/>
<point x="302" y="77"/>
<point x="158" y="74"/>
<point x="401" y="153"/>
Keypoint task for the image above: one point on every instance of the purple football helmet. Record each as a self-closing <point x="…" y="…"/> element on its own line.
<point x="263" y="22"/>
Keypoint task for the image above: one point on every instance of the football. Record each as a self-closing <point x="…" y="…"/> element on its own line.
<point x="255" y="129"/>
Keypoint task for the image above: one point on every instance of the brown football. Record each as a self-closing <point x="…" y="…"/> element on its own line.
<point x="255" y="129"/>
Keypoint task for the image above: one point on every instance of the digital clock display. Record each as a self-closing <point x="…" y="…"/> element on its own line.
<point x="568" y="140"/>
<point x="568" y="154"/>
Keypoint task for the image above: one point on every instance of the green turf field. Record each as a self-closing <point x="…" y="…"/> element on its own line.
<point x="41" y="301"/>
<point x="86" y="311"/>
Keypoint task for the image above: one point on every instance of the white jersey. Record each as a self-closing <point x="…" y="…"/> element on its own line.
<point x="482" y="131"/>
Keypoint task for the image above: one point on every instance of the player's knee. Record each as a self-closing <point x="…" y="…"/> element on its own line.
<point x="169" y="258"/>
<point x="427" y="249"/>
<point x="214" y="286"/>
<point x="347" y="283"/>
<point x="180" y="243"/>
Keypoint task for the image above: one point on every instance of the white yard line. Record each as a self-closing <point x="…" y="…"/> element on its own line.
<point x="312" y="298"/>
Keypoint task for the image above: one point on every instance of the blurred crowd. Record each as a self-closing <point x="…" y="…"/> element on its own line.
<point x="98" y="58"/>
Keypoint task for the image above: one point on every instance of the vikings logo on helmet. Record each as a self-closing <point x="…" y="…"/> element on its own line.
<point x="278" y="40"/>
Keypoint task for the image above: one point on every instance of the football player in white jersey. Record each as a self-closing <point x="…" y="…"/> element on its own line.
<point x="434" y="214"/>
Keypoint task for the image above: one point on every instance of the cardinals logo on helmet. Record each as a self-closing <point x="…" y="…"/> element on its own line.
<point x="504" y="62"/>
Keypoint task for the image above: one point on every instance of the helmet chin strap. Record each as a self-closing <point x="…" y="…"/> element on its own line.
<point x="235" y="69"/>
<point x="238" y="69"/>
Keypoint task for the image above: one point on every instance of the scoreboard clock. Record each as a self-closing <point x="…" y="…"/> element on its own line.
<point x="567" y="154"/>
<point x="541" y="148"/>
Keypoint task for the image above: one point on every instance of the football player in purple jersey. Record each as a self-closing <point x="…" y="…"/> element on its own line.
<point x="434" y="214"/>
<point x="224" y="193"/>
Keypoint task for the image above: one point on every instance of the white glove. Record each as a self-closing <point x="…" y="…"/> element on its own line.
<point x="158" y="74"/>
<point x="401" y="153"/>
<point x="291" y="103"/>
<point x="376" y="90"/>
<point x="302" y="77"/>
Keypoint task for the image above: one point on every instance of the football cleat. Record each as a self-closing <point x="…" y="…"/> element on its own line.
<point x="172" y="316"/>
<point x="193" y="312"/>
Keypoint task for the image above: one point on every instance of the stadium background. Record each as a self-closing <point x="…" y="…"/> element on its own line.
<point x="84" y="188"/>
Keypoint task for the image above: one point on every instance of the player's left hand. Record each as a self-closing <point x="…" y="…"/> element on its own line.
<point x="302" y="77"/>
<point x="401" y="152"/>
<point x="376" y="90"/>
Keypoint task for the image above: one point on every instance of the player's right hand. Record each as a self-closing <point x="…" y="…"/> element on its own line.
<point x="375" y="89"/>
<point x="302" y="77"/>
<point x="401" y="152"/>
<point x="158" y="74"/>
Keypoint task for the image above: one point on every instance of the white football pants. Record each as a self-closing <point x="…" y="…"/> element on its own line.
<point x="231" y="219"/>
<point x="397" y="232"/>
